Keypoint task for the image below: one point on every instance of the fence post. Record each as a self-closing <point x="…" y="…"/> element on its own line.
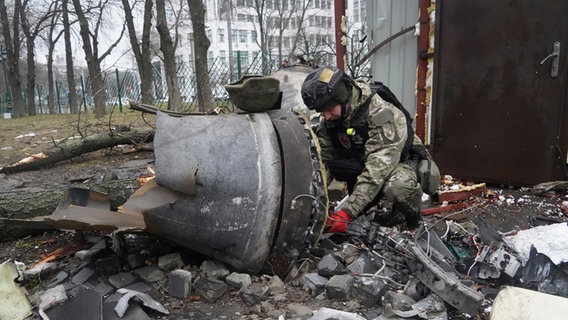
<point x="118" y="89"/>
<point x="239" y="64"/>
<point x="83" y="91"/>
<point x="57" y="96"/>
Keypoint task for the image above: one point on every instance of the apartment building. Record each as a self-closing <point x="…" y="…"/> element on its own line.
<point x="236" y="29"/>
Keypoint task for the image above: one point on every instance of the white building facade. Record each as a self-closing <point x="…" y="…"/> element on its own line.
<point x="235" y="38"/>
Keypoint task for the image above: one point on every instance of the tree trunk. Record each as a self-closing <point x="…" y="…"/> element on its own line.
<point x="75" y="148"/>
<point x="12" y="43"/>
<point x="167" y="48"/>
<point x="73" y="97"/>
<point x="141" y="51"/>
<point x="30" y="85"/>
<point x="201" y="44"/>
<point x="90" y="46"/>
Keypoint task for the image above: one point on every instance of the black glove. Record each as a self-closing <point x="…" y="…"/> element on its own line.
<point x="359" y="226"/>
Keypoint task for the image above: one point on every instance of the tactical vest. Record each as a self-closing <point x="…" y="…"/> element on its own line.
<point x="350" y="142"/>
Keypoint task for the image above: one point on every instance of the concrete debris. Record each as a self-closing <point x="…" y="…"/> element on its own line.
<point x="179" y="283"/>
<point x="52" y="297"/>
<point x="13" y="302"/>
<point x="514" y="303"/>
<point x="238" y="280"/>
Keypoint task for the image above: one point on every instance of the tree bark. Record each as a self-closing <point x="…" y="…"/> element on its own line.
<point x="201" y="44"/>
<point x="141" y="49"/>
<point x="13" y="46"/>
<point x="167" y="48"/>
<point x="75" y="148"/>
<point x="51" y="42"/>
<point x="31" y="76"/>
<point x="90" y="46"/>
<point x="73" y="97"/>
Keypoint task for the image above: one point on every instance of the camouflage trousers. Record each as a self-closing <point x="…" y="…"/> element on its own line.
<point x="404" y="192"/>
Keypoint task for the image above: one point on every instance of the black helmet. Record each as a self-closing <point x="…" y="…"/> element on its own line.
<point x="325" y="86"/>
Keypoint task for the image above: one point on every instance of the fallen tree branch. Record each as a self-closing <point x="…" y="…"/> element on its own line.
<point x="74" y="148"/>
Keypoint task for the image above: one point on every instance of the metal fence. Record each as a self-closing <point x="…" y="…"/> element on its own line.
<point x="123" y="86"/>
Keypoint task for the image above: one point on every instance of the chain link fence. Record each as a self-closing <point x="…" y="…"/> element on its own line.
<point x="123" y="86"/>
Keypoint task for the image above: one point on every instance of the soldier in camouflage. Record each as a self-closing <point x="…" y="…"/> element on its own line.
<point x="362" y="139"/>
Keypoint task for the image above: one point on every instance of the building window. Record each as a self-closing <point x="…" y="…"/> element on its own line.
<point x="223" y="56"/>
<point x="253" y="36"/>
<point x="243" y="35"/>
<point x="221" y="35"/>
<point x="234" y="36"/>
<point x="244" y="58"/>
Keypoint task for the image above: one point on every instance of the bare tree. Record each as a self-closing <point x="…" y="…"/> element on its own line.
<point x="31" y="29"/>
<point x="201" y="45"/>
<point x="90" y="37"/>
<point x="168" y="50"/>
<point x="274" y="26"/>
<point x="263" y="15"/>
<point x="286" y="13"/>
<point x="51" y="39"/>
<point x="12" y="45"/>
<point x="356" y="48"/>
<point x="141" y="47"/>
<point x="73" y="99"/>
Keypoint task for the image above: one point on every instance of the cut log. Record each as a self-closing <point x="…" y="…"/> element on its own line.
<point x="74" y="148"/>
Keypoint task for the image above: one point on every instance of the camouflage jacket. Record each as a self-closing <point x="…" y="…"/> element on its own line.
<point x="387" y="133"/>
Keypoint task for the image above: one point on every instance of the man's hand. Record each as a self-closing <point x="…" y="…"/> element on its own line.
<point x="337" y="222"/>
<point x="360" y="226"/>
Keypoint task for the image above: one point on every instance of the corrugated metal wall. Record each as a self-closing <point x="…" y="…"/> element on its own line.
<point x="395" y="64"/>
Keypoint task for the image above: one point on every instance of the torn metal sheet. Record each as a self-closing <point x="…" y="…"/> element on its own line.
<point x="549" y="278"/>
<point x="13" y="302"/>
<point x="122" y="304"/>
<point x="446" y="285"/>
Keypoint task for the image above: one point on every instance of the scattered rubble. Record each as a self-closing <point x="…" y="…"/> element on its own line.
<point x="469" y="269"/>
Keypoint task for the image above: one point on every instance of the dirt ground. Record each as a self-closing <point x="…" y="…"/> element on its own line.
<point x="504" y="208"/>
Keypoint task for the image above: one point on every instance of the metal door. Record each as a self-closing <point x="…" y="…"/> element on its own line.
<point x="500" y="89"/>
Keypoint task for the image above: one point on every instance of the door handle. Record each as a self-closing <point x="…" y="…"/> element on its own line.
<point x="555" y="56"/>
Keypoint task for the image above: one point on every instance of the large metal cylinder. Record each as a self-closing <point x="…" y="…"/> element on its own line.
<point x="252" y="191"/>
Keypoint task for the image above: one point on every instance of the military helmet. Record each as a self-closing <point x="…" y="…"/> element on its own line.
<point x="254" y="93"/>
<point x="325" y="87"/>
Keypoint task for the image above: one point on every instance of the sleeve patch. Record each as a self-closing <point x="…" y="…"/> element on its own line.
<point x="382" y="117"/>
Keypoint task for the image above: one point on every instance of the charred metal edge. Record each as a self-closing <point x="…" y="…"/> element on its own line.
<point x="304" y="198"/>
